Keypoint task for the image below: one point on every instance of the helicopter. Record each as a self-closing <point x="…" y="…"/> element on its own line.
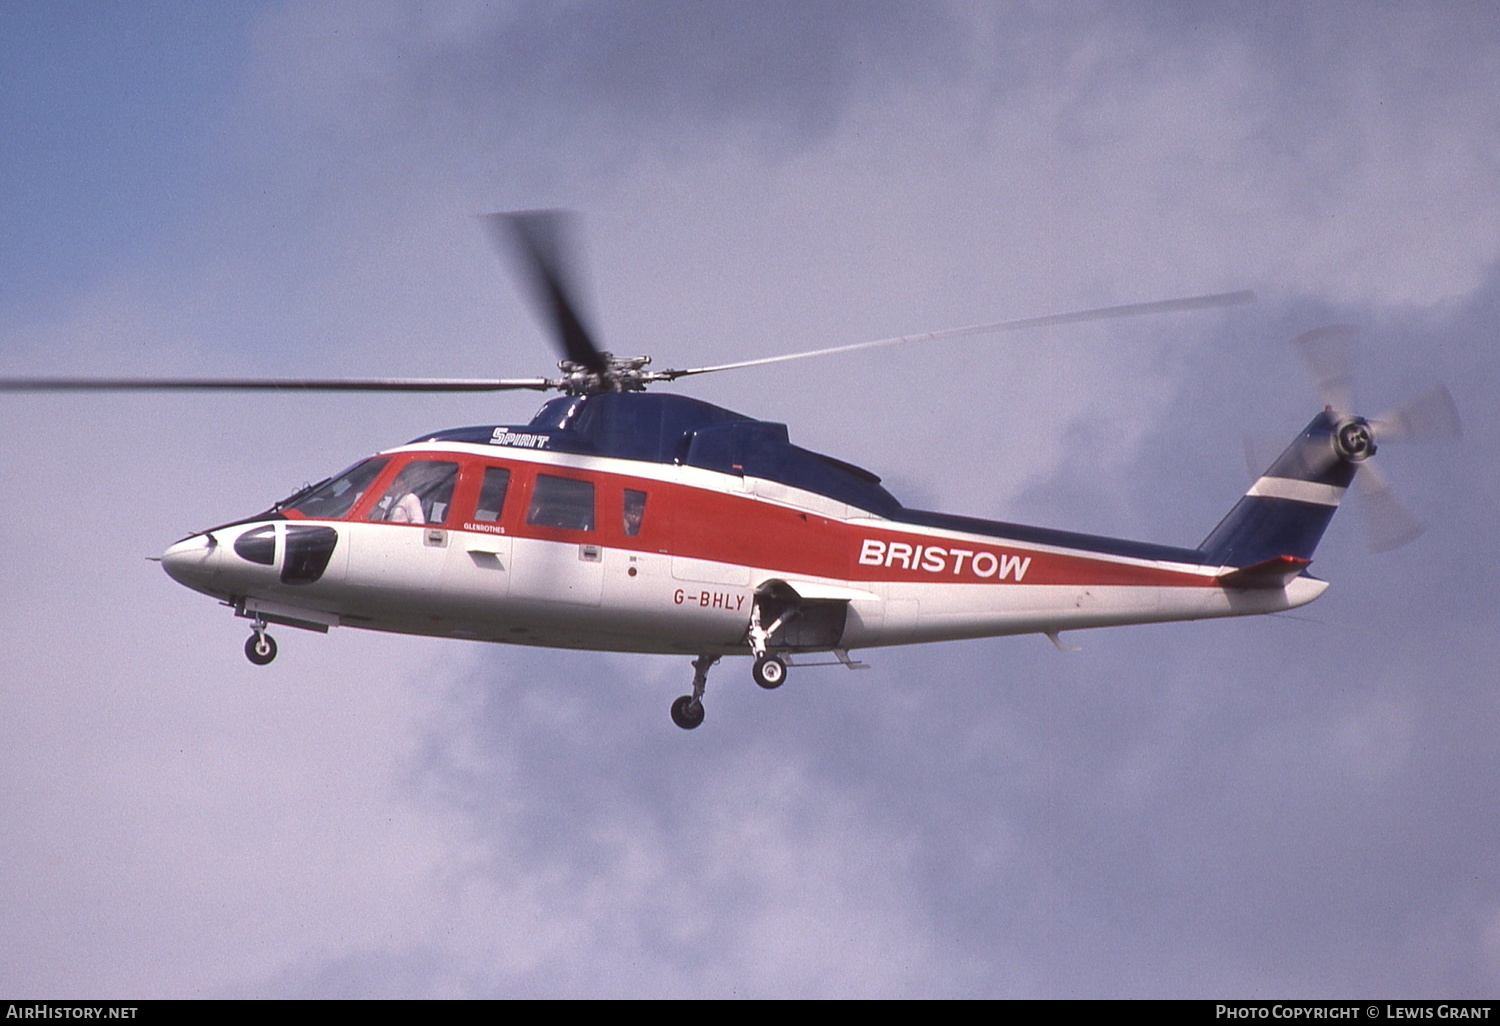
<point x="626" y="520"/>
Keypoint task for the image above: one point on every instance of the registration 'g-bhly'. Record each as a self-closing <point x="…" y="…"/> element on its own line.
<point x="627" y="521"/>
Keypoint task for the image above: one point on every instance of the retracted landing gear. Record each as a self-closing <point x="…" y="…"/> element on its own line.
<point x="260" y="647"/>
<point x="687" y="711"/>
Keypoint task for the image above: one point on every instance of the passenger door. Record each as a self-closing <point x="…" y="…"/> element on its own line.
<point x="559" y="557"/>
<point x="479" y="572"/>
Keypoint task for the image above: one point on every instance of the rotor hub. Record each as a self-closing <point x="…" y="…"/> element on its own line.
<point x="621" y="374"/>
<point x="1354" y="440"/>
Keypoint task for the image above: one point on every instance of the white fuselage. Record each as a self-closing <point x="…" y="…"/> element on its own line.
<point x="684" y="575"/>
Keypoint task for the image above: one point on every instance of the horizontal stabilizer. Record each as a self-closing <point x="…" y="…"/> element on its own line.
<point x="1276" y="572"/>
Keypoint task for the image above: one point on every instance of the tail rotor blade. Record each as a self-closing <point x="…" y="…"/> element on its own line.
<point x="1326" y="351"/>
<point x="1430" y="417"/>
<point x="1388" y="524"/>
<point x="538" y="241"/>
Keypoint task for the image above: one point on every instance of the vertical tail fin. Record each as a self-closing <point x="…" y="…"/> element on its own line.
<point x="1288" y="507"/>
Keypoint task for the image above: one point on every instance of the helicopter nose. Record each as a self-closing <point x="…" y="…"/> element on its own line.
<point x="192" y="561"/>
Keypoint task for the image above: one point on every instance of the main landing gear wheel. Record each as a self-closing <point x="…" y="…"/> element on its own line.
<point x="769" y="672"/>
<point x="260" y="648"/>
<point x="687" y="712"/>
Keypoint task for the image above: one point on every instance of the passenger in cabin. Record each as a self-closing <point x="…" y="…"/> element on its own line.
<point x="635" y="510"/>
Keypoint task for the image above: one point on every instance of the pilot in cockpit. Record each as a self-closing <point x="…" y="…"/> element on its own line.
<point x="407" y="511"/>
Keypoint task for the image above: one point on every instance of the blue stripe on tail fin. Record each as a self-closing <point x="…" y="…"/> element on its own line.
<point x="1289" y="506"/>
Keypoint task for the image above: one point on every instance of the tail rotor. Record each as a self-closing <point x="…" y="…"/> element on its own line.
<point x="1428" y="417"/>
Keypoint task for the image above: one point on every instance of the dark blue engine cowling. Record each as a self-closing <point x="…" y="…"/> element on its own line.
<point x="666" y="428"/>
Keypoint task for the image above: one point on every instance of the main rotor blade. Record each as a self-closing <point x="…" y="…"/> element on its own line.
<point x="271" y="384"/>
<point x="538" y="241"/>
<point x="1078" y="316"/>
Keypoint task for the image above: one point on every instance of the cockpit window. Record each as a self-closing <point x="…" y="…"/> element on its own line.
<point x="258" y="545"/>
<point x="334" y="499"/>
<point x="419" y="495"/>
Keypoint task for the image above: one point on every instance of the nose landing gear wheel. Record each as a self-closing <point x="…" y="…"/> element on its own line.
<point x="687" y="712"/>
<point x="260" y="648"/>
<point x="769" y="672"/>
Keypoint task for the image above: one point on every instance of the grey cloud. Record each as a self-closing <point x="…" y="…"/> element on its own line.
<point x="675" y="67"/>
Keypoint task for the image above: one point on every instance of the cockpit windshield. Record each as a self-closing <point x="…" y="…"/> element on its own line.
<point x="420" y="494"/>
<point x="333" y="499"/>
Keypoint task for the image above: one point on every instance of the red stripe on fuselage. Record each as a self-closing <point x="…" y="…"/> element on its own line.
<point x="700" y="523"/>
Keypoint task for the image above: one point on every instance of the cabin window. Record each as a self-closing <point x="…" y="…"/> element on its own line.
<point x="492" y="495"/>
<point x="634" y="511"/>
<point x="561" y="502"/>
<point x="419" y="495"/>
<point x="335" y="498"/>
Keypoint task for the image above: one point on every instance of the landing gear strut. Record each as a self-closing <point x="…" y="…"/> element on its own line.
<point x="687" y="711"/>
<point x="260" y="647"/>
<point x="769" y="670"/>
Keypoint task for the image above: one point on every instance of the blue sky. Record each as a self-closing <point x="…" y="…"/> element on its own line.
<point x="109" y="120"/>
<point x="1271" y="807"/>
